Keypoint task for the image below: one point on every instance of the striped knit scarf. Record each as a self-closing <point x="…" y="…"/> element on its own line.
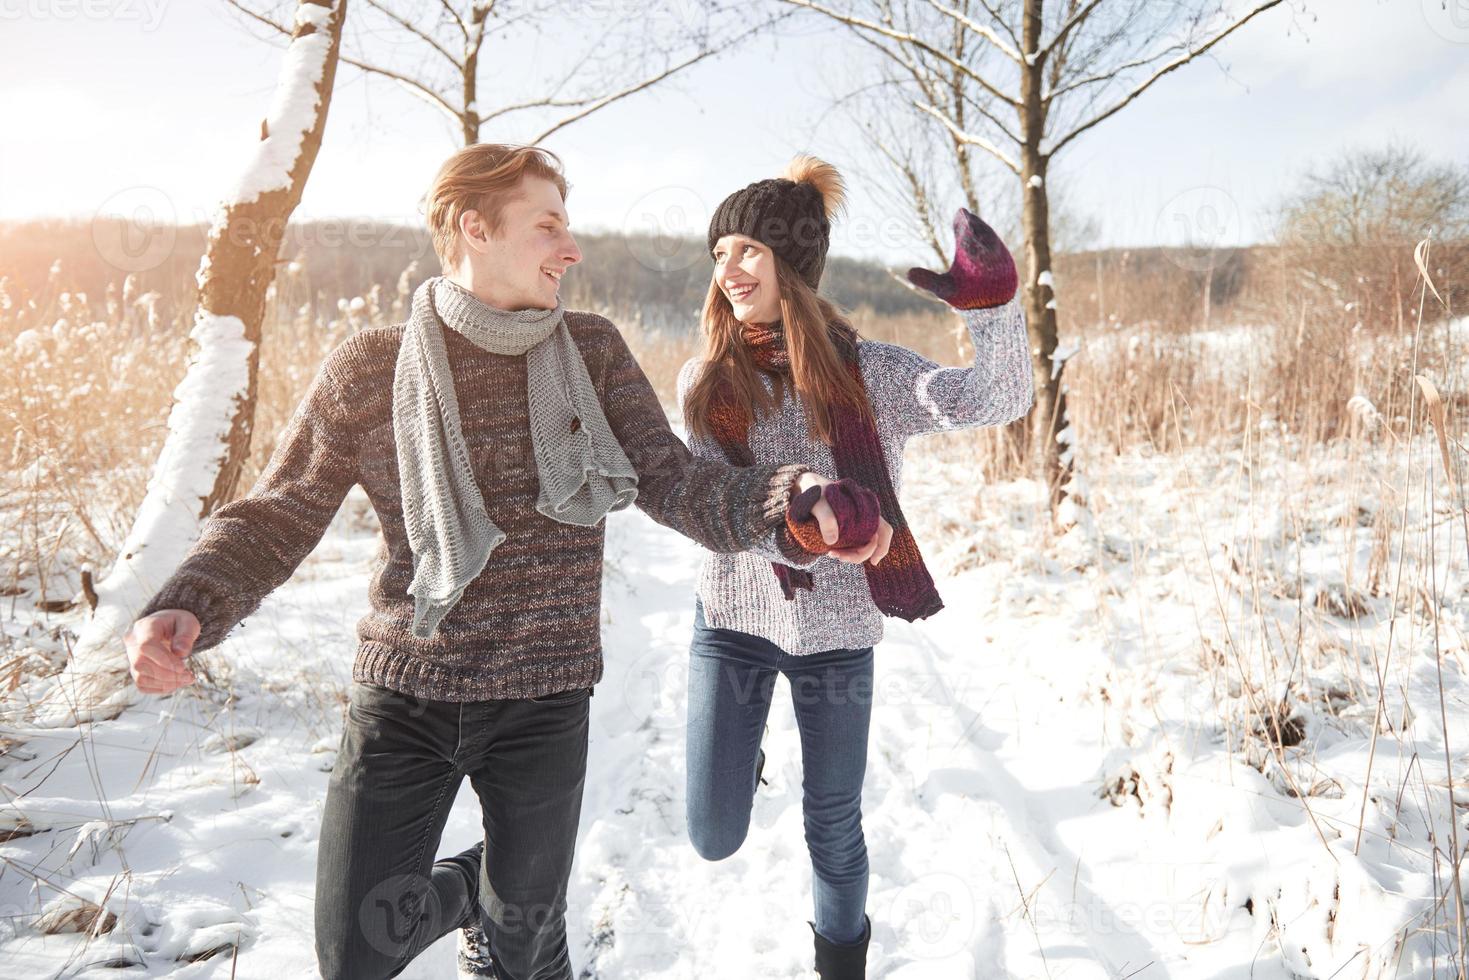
<point x="900" y="586"/>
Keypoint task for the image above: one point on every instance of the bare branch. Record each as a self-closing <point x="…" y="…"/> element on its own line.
<point x="454" y="16"/>
<point x="969" y="138"/>
<point x="917" y="192"/>
<point x="985" y="32"/>
<point x="983" y="110"/>
<point x="607" y="100"/>
<point x="413" y="85"/>
<point x="998" y="19"/>
<point x="1072" y="22"/>
<point x="538" y="104"/>
<point x="409" y="26"/>
<point x="905" y="38"/>
<point x="273" y="25"/>
<point x="636" y="87"/>
<point x="1176" y="63"/>
<point x="1111" y="73"/>
<point x="925" y="81"/>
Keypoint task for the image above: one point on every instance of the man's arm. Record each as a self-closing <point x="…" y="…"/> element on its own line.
<point x="724" y="508"/>
<point x="250" y="546"/>
<point x="777" y="543"/>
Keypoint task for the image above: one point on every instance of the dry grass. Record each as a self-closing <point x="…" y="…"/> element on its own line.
<point x="82" y="415"/>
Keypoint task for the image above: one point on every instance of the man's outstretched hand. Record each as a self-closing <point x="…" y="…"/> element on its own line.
<point x="982" y="273"/>
<point x="157" y="647"/>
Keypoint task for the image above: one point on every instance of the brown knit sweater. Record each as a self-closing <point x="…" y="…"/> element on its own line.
<point x="530" y="623"/>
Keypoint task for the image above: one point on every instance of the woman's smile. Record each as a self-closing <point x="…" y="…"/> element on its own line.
<point x="739" y="292"/>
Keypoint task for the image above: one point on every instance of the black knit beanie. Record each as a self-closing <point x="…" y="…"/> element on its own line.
<point x="790" y="215"/>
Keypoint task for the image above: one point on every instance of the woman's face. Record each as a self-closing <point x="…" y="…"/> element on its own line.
<point x="744" y="270"/>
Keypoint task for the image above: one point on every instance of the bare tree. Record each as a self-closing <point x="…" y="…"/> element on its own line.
<point x="213" y="414"/>
<point x="1347" y="234"/>
<point x="1388" y="196"/>
<point x="1016" y="82"/>
<point x="596" y="53"/>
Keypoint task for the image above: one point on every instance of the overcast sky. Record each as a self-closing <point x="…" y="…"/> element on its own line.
<point x="154" y="100"/>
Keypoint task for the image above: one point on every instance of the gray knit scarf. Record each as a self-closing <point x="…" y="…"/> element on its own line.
<point x="583" y="470"/>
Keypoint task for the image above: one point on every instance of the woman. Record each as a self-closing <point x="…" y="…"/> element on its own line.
<point x="784" y="376"/>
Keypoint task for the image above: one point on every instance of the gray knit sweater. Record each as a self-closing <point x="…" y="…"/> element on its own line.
<point x="910" y="395"/>
<point x="530" y="623"/>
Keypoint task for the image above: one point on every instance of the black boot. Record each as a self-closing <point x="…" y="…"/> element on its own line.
<point x="842" y="961"/>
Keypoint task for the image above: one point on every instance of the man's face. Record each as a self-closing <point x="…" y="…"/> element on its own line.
<point x="520" y="266"/>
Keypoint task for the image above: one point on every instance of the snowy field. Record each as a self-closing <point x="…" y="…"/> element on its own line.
<point x="1070" y="774"/>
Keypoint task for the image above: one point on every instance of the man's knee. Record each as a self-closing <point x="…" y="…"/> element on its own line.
<point x="376" y="935"/>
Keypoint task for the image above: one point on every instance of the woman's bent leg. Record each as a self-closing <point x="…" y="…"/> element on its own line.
<point x="731" y="677"/>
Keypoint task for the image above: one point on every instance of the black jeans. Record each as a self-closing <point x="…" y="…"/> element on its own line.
<point x="381" y="898"/>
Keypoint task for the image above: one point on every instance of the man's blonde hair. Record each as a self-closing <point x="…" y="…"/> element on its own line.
<point x="484" y="178"/>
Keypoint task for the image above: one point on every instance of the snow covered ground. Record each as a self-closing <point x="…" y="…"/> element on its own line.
<point x="1067" y="772"/>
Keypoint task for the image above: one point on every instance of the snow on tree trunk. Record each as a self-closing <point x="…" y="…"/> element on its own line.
<point x="210" y="425"/>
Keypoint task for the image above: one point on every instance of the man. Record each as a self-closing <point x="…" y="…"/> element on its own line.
<point x="492" y="432"/>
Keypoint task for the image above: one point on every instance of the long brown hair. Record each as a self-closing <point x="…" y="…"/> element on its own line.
<point x="820" y="376"/>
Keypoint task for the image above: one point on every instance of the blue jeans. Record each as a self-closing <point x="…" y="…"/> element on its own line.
<point x="731" y="678"/>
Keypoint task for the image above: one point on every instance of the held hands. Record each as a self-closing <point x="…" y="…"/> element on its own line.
<point x="157" y="646"/>
<point x="839" y="518"/>
<point x="983" y="271"/>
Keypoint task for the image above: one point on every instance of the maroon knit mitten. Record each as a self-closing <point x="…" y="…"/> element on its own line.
<point x="982" y="274"/>
<point x="856" y="509"/>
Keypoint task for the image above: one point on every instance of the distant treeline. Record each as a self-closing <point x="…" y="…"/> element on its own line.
<point x="661" y="282"/>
